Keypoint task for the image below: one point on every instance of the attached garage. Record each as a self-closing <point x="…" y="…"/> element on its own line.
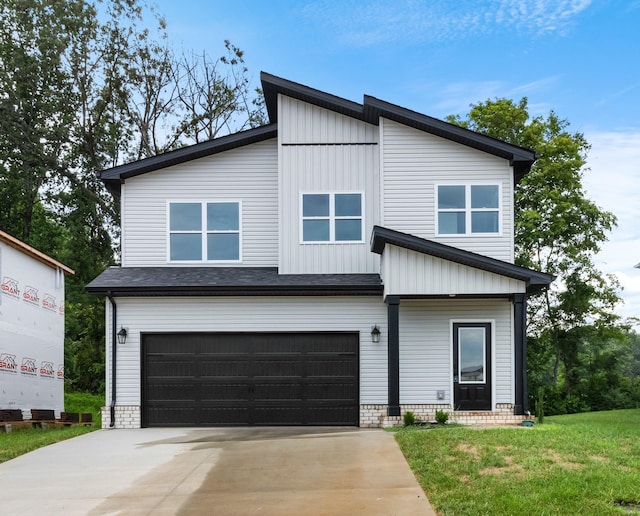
<point x="221" y="379"/>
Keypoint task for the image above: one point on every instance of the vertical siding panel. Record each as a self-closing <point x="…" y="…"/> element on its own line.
<point x="412" y="273"/>
<point x="322" y="166"/>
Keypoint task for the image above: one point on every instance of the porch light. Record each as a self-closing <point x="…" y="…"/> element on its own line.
<point x="375" y="334"/>
<point x="122" y="335"/>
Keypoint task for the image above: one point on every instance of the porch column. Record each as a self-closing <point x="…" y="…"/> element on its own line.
<point x="520" y="355"/>
<point x="393" y="355"/>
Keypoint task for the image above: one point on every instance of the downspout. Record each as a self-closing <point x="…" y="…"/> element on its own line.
<point x="112" y="405"/>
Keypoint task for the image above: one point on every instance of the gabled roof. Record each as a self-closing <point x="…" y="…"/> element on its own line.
<point x="114" y="177"/>
<point x="370" y="111"/>
<point x="534" y="280"/>
<point x="33" y="253"/>
<point x="229" y="281"/>
<point x="373" y="109"/>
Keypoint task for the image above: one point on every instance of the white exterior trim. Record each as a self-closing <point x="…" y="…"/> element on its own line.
<point x="468" y="210"/>
<point x="203" y="231"/>
<point x="332" y="217"/>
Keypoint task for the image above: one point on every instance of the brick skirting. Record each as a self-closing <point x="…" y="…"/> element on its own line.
<point x="126" y="417"/>
<point x="371" y="416"/>
<point x="375" y="416"/>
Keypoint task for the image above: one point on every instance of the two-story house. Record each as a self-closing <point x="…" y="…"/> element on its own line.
<point x="339" y="266"/>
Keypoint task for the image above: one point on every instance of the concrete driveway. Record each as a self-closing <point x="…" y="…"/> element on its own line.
<point x="237" y="471"/>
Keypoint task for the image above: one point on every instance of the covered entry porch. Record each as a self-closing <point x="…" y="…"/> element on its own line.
<point x="456" y="331"/>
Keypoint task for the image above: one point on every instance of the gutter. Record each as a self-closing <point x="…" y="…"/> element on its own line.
<point x="112" y="404"/>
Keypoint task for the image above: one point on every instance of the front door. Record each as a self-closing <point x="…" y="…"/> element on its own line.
<point x="472" y="366"/>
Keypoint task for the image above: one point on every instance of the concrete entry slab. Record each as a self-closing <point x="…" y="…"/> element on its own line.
<point x="238" y="471"/>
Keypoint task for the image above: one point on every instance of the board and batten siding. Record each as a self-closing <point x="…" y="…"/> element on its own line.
<point x="426" y="346"/>
<point x="249" y="314"/>
<point x="303" y="123"/>
<point x="406" y="272"/>
<point x="414" y="162"/>
<point x="248" y="174"/>
<point x="324" y="152"/>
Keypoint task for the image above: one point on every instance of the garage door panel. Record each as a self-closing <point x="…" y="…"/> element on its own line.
<point x="170" y="391"/>
<point x="250" y="379"/>
<point x="217" y="416"/>
<point x="223" y="367"/>
<point x="223" y="392"/>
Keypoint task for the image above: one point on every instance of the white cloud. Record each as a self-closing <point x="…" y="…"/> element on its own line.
<point x="613" y="182"/>
<point x="419" y="21"/>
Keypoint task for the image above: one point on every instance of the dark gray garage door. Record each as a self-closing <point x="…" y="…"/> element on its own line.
<point x="205" y="379"/>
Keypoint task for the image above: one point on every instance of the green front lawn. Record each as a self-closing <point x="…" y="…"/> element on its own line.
<point x="24" y="440"/>
<point x="576" y="464"/>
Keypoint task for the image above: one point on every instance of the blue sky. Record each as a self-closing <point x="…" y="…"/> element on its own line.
<point x="580" y="58"/>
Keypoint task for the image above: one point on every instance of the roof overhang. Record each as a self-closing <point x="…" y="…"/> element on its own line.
<point x="114" y="177"/>
<point x="373" y="109"/>
<point x="33" y="253"/>
<point x="228" y="281"/>
<point x="534" y="280"/>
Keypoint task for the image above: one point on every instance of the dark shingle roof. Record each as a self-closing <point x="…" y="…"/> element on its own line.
<point x="535" y="280"/>
<point x="228" y="281"/>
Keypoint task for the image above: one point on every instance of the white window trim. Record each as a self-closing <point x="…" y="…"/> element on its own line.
<point x="467" y="209"/>
<point x="203" y="231"/>
<point x="332" y="218"/>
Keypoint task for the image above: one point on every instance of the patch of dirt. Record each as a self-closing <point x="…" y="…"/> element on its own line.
<point x="562" y="462"/>
<point x="510" y="469"/>
<point x="466" y="480"/>
<point x="472" y="450"/>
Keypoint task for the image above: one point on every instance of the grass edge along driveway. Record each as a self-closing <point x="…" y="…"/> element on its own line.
<point x="576" y="464"/>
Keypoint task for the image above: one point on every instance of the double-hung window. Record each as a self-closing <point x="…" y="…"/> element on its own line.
<point x="468" y="209"/>
<point x="332" y="217"/>
<point x="204" y="231"/>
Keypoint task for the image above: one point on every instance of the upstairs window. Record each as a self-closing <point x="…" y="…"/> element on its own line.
<point x="468" y="209"/>
<point x="332" y="217"/>
<point x="207" y="231"/>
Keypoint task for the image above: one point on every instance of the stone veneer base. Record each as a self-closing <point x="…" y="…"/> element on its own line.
<point x="371" y="416"/>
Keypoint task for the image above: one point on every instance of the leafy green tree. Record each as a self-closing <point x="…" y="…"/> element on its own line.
<point x="558" y="230"/>
<point x="87" y="85"/>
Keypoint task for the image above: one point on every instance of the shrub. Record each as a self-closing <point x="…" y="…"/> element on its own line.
<point x="442" y="417"/>
<point x="409" y="418"/>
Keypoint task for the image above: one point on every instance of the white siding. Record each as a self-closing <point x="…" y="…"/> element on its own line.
<point x="299" y="123"/>
<point x="407" y="272"/>
<point x="342" y="156"/>
<point x="250" y="314"/>
<point x="425" y="336"/>
<point x="426" y="347"/>
<point x="414" y="162"/>
<point x="248" y="174"/>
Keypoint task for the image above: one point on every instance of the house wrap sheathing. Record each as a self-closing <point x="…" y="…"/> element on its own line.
<point x="31" y="328"/>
